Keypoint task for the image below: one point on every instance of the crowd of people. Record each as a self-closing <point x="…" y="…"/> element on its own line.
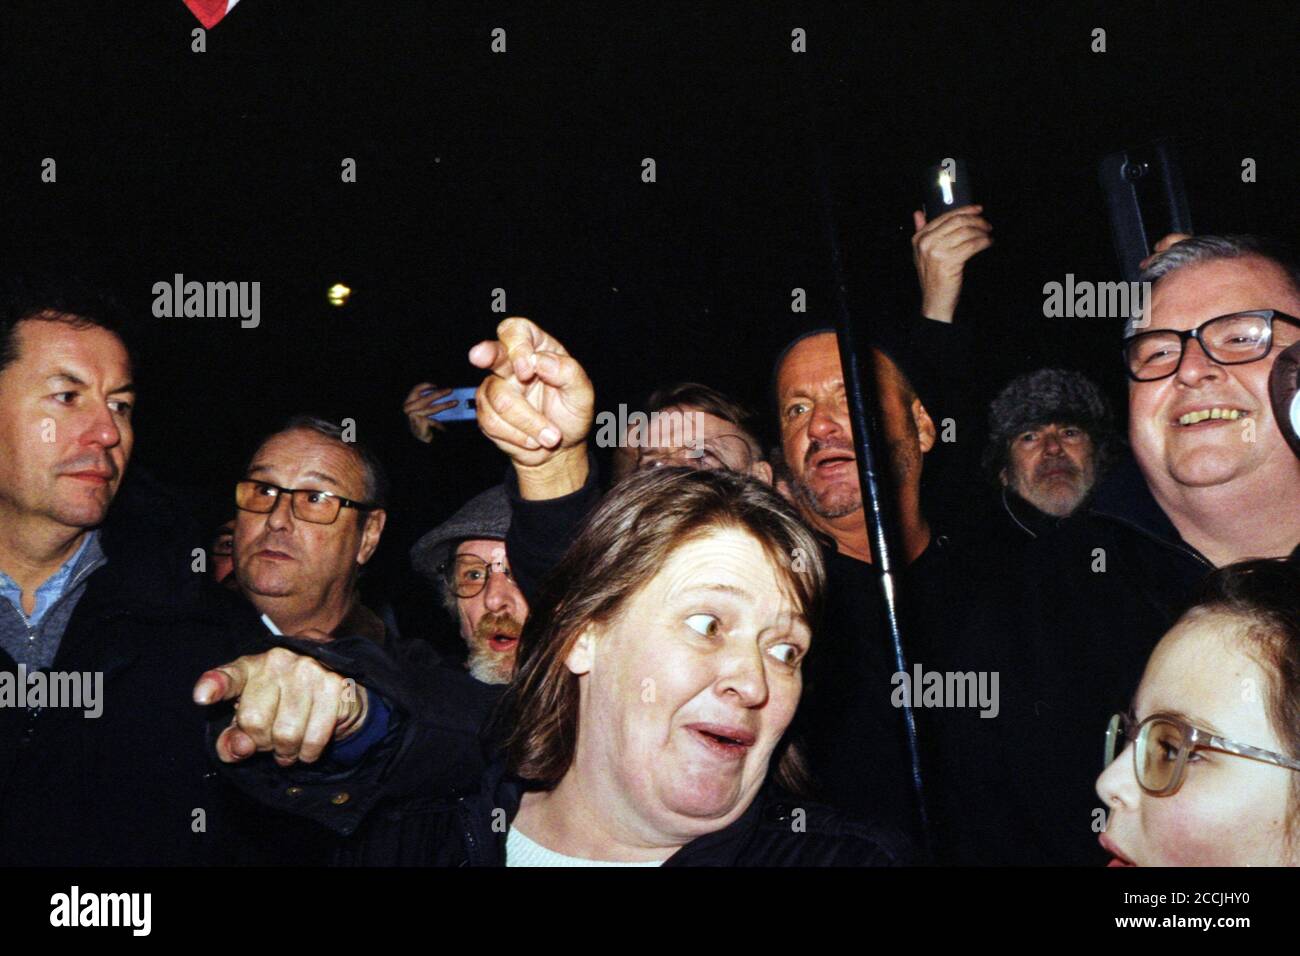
<point x="688" y="664"/>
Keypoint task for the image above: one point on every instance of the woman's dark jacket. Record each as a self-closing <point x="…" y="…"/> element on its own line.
<point x="776" y="830"/>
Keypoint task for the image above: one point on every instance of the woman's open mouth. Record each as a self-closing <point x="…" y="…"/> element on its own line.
<point x="730" y="742"/>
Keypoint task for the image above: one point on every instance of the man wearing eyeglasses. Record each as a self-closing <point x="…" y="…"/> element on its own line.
<point x="310" y="516"/>
<point x="723" y="435"/>
<point x="1210" y="482"/>
<point x="465" y="558"/>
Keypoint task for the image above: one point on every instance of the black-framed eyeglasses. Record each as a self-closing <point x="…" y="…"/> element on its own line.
<point x="1163" y="743"/>
<point x="1232" y="339"/>
<point x="468" y="574"/>
<point x="308" y="504"/>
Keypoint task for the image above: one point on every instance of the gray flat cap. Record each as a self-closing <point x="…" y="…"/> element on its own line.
<point x="484" y="516"/>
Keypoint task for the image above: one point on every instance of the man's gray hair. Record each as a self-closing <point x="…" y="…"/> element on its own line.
<point x="376" y="481"/>
<point x="1201" y="249"/>
<point x="450" y="601"/>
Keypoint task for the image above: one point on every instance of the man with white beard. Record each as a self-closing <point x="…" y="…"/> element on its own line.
<point x="465" y="557"/>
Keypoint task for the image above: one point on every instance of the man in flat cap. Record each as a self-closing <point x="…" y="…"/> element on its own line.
<point x="465" y="557"/>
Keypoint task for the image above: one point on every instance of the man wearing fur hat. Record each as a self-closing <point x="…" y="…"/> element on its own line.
<point x="1050" y="439"/>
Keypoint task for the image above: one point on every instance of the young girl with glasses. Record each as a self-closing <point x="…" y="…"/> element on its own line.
<point x="1203" y="770"/>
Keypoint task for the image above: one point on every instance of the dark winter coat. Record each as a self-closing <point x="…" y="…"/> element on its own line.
<point x="1069" y="630"/>
<point x="133" y="786"/>
<point x="776" y="830"/>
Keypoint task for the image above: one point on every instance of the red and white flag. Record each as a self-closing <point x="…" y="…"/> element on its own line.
<point x="210" y="12"/>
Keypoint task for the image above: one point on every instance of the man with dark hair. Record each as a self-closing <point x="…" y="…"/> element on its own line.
<point x="1051" y="435"/>
<point x="96" y="592"/>
<point x="70" y="301"/>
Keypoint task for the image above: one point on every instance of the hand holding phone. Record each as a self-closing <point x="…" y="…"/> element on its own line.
<point x="943" y="244"/>
<point x="462" y="409"/>
<point x="426" y="407"/>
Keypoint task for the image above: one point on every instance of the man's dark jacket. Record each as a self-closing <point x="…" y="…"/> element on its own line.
<point x="310" y="816"/>
<point x="133" y="786"/>
<point x="317" y="814"/>
<point x="1069" y="631"/>
<point x="435" y="745"/>
<point x="851" y="731"/>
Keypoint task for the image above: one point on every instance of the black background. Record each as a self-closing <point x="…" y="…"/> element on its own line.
<point x="523" y="171"/>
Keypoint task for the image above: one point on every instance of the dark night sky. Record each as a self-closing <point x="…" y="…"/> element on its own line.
<point x="522" y="171"/>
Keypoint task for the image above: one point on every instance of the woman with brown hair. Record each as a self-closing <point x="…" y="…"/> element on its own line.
<point x="657" y="677"/>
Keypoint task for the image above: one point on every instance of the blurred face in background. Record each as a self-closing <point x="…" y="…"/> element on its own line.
<point x="223" y="556"/>
<point x="703" y="441"/>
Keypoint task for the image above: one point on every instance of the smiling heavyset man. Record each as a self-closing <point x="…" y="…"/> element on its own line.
<point x="1211" y="482"/>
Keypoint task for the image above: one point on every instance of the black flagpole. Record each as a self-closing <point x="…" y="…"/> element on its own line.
<point x="860" y="389"/>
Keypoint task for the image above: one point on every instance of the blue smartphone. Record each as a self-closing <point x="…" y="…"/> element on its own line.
<point x="465" y="409"/>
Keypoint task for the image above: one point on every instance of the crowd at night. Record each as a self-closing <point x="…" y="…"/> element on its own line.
<point x="483" y="437"/>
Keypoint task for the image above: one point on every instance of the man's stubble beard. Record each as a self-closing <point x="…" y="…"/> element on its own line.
<point x="903" y="456"/>
<point x="809" y="499"/>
